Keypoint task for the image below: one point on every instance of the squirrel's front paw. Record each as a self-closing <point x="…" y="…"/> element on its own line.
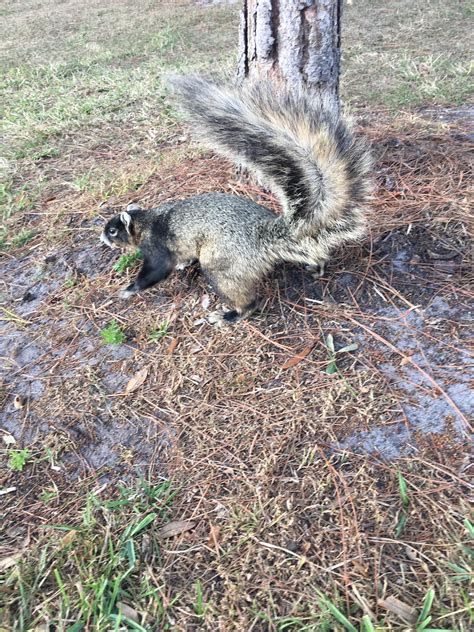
<point x="127" y="292"/>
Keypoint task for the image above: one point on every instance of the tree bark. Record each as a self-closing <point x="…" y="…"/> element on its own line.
<point x="295" y="40"/>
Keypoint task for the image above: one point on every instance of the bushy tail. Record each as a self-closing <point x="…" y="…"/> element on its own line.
<point x="296" y="142"/>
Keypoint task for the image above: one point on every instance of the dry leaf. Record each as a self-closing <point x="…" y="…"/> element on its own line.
<point x="136" y="381"/>
<point x="297" y="358"/>
<point x="206" y="301"/>
<point x="128" y="611"/>
<point x="401" y="609"/>
<point x="175" y="528"/>
<point x="172" y="346"/>
<point x="8" y="439"/>
<point x="11" y="560"/>
<point x="19" y="401"/>
<point x="360" y="568"/>
<point x="68" y="538"/>
<point x="214" y="533"/>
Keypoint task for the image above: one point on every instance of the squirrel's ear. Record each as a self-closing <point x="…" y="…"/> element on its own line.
<point x="133" y="206"/>
<point x="126" y="220"/>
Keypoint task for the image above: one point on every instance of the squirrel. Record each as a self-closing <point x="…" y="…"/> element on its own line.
<point x="299" y="145"/>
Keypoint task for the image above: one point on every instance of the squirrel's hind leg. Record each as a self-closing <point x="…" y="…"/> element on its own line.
<point x="241" y="297"/>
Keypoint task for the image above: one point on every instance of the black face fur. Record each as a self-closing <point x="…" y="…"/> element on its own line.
<point x="117" y="231"/>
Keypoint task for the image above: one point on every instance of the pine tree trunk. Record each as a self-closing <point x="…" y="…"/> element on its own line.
<point x="297" y="40"/>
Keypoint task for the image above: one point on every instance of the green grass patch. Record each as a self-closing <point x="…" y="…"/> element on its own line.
<point x="70" y="281"/>
<point x="127" y="261"/>
<point x="48" y="495"/>
<point x="14" y="199"/>
<point x="104" y="183"/>
<point x="117" y="80"/>
<point x="93" y="572"/>
<point x="18" y="459"/>
<point x="406" y="55"/>
<point x="326" y="604"/>
<point x="21" y="239"/>
<point x="159" y="333"/>
<point x="403" y="516"/>
<point x="113" y="334"/>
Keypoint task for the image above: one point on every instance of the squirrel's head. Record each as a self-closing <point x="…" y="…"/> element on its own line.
<point x="118" y="232"/>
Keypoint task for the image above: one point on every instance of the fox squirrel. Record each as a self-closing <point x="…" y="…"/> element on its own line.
<point x="301" y="147"/>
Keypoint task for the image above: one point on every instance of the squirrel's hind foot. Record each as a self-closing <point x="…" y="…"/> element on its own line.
<point x="126" y="293"/>
<point x="317" y="270"/>
<point x="231" y="316"/>
<point x="221" y="317"/>
<point x="217" y="318"/>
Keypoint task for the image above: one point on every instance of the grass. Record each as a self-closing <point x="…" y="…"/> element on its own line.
<point x="104" y="550"/>
<point x="326" y="604"/>
<point x="96" y="88"/>
<point x="332" y="365"/>
<point x="84" y="99"/>
<point x="159" y="333"/>
<point x="290" y="532"/>
<point x="23" y="237"/>
<point x="368" y="625"/>
<point x="420" y="55"/>
<point x="95" y="566"/>
<point x="113" y="334"/>
<point x="402" y="521"/>
<point x="48" y="495"/>
<point x="102" y="184"/>
<point x="21" y="197"/>
<point x="126" y="261"/>
<point x="18" y="459"/>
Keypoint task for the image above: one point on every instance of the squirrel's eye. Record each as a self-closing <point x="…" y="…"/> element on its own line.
<point x="113" y="231"/>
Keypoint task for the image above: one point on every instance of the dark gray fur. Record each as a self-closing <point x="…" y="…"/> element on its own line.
<point x="299" y="145"/>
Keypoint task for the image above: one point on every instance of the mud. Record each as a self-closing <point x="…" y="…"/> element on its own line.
<point x="428" y="322"/>
<point x="52" y="354"/>
<point x="430" y="406"/>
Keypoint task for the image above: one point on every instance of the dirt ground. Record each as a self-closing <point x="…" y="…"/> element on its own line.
<point x="308" y="486"/>
<point x="404" y="300"/>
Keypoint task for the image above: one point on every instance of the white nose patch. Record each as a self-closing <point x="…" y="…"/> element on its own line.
<point x="106" y="240"/>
